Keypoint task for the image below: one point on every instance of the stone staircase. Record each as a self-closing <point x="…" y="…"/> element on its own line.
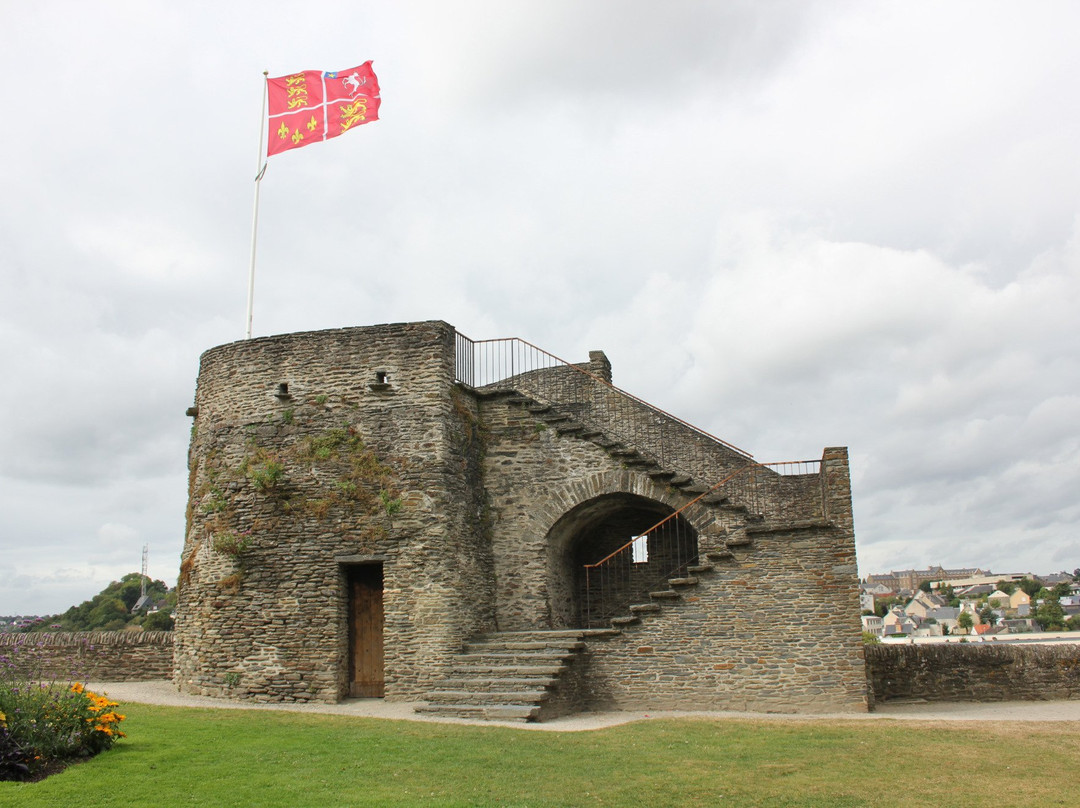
<point x="511" y="676"/>
<point x="565" y="422"/>
<point x="677" y="586"/>
<point x="534" y="675"/>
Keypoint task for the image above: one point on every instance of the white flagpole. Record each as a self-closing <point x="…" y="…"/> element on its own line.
<point x="260" y="169"/>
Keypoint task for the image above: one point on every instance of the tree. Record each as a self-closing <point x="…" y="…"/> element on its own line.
<point x="1050" y="616"/>
<point x="947" y="594"/>
<point x="1030" y="586"/>
<point x="988" y="615"/>
<point x="1008" y="587"/>
<point x="110" y="609"/>
<point x="158" y="621"/>
<point x="882" y="605"/>
<point x="965" y="621"/>
<point x="925" y="585"/>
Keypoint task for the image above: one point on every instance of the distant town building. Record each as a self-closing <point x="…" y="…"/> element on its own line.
<point x="910" y="579"/>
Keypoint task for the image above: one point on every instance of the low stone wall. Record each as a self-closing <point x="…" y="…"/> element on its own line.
<point x="973" y="672"/>
<point x="103" y="656"/>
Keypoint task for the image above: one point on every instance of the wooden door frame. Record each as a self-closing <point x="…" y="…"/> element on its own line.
<point x="357" y="575"/>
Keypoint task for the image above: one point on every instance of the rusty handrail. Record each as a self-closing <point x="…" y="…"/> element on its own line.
<point x="670" y="516"/>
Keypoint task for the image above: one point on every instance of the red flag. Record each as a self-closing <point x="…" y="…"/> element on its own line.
<point x="310" y="106"/>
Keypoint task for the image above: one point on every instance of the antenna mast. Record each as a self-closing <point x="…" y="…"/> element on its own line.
<point x="145" y="556"/>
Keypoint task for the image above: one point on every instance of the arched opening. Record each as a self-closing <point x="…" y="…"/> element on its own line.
<point x="604" y="557"/>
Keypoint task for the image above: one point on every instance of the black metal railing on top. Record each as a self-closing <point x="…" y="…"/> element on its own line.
<point x="667" y="550"/>
<point x="577" y="391"/>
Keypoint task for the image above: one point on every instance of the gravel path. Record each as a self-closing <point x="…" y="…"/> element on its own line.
<point x="165" y="693"/>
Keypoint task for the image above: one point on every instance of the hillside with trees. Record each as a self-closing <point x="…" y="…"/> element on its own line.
<point x="111" y="609"/>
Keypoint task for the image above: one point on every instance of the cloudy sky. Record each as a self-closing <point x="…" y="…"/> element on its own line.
<point x="794" y="224"/>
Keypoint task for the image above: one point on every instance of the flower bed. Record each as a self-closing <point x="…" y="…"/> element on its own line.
<point x="46" y="723"/>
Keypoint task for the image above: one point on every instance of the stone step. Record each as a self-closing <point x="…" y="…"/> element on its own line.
<point x="720" y="555"/>
<point x="570" y="428"/>
<point x="665" y="594"/>
<point x="627" y="620"/>
<point x="679" y="480"/>
<point x="689" y="581"/>
<point x="694" y="488"/>
<point x="514" y="659"/>
<point x="488" y="697"/>
<point x="525" y="671"/>
<point x="716" y="499"/>
<point x="488" y="682"/>
<point x="600" y="633"/>
<point x="738" y="541"/>
<point x="543" y="633"/>
<point x="644" y="608"/>
<point x="697" y="569"/>
<point x="554" y="417"/>
<point x="662" y="474"/>
<point x="501" y="712"/>
<point x="497" y="646"/>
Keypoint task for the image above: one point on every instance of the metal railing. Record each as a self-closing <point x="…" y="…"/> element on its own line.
<point x="582" y="395"/>
<point x="667" y="549"/>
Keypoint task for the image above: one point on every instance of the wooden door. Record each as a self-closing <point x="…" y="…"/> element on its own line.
<point x="366" y="631"/>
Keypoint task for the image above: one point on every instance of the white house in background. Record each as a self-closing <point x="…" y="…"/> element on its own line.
<point x="872" y="624"/>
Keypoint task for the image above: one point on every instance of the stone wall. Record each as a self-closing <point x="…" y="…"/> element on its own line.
<point x="310" y="453"/>
<point x="102" y="656"/>
<point x="770" y="631"/>
<point x="973" y="671"/>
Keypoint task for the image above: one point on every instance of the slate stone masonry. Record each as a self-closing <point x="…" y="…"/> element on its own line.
<point x="315" y="451"/>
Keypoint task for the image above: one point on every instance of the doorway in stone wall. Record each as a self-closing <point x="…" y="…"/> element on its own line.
<point x="366" y="674"/>
<point x="598" y="528"/>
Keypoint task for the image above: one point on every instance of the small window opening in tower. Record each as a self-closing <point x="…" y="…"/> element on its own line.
<point x="639" y="550"/>
<point x="382" y="377"/>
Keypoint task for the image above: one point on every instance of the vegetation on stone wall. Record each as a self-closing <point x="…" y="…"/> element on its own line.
<point x="350" y="476"/>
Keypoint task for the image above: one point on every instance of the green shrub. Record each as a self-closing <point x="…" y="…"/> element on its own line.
<point x="43" y="719"/>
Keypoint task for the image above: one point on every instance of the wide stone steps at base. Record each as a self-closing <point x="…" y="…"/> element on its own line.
<point x="506" y="676"/>
<point x="484" y="712"/>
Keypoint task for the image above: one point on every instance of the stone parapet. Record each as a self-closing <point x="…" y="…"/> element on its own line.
<point x="973" y="671"/>
<point x="103" y="656"/>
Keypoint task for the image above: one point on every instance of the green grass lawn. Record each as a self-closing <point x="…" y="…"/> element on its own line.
<point x="188" y="757"/>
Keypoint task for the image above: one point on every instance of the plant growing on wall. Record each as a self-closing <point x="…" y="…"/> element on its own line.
<point x="231" y="542"/>
<point x="390" y="504"/>
<point x="264" y="470"/>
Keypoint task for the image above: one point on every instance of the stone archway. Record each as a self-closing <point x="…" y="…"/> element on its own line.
<point x="600" y="530"/>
